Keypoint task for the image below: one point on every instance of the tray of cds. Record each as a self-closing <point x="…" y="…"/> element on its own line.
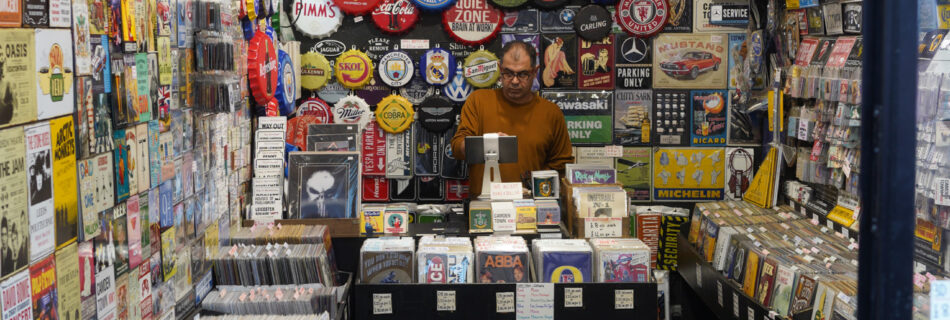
<point x="261" y="302"/>
<point x="745" y="259"/>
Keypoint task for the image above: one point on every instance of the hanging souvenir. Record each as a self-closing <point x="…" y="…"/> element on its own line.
<point x="437" y="114"/>
<point x="433" y="5"/>
<point x="593" y="22"/>
<point x="352" y="110"/>
<point x="356" y="7"/>
<point x="459" y="89"/>
<point x="472" y="22"/>
<point x="481" y="69"/>
<point x="316" y="18"/>
<point x="394" y="114"/>
<point x="314" y="71"/>
<point x="396" y="69"/>
<point x="250" y="8"/>
<point x="395" y="16"/>
<point x="509" y="4"/>
<point x="550" y="4"/>
<point x="436" y="65"/>
<point x="642" y="18"/>
<point x="332" y="92"/>
<point x="353" y="69"/>
<point x="317" y="108"/>
<point x="286" y="84"/>
<point x="262" y="68"/>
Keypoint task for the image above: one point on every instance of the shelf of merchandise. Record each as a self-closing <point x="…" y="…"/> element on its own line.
<point x="819" y="218"/>
<point x="478" y="301"/>
<point x="721" y="295"/>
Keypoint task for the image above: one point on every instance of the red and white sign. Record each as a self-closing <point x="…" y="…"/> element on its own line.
<point x="806" y="51"/>
<point x="395" y="16"/>
<point x="356" y="7"/>
<point x="472" y="22"/>
<point x="456" y="190"/>
<point x="375" y="189"/>
<point x="642" y="18"/>
<point x="262" y="68"/>
<point x="839" y="55"/>
<point x="318" y="108"/>
<point x="374" y="150"/>
<point x="316" y="18"/>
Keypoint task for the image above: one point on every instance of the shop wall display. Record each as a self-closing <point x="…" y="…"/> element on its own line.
<point x="688" y="174"/>
<point x="694" y="61"/>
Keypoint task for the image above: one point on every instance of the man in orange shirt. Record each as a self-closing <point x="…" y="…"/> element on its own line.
<point x="515" y="110"/>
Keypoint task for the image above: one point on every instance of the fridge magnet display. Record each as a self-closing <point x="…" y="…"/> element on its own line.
<point x="64" y="177"/>
<point x="597" y="64"/>
<point x="396" y="69"/>
<point x="557" y="21"/>
<point x="54" y="73"/>
<point x="352" y="110"/>
<point x="592" y="22"/>
<point x="642" y="18"/>
<point x="286" y="84"/>
<point x="688" y="174"/>
<point x="559" y="61"/>
<point x="702" y="11"/>
<point x="18" y="94"/>
<point x="314" y="71"/>
<point x="40" y="176"/>
<point x="552" y="4"/>
<point x="693" y="61"/>
<point x="356" y="7"/>
<point x="436" y="64"/>
<point x="710" y="114"/>
<point x="521" y="21"/>
<point x="13" y="188"/>
<point x="740" y="168"/>
<point x="670" y="117"/>
<point x="632" y="117"/>
<point x="634" y="172"/>
<point x="315" y="18"/>
<point x="459" y="89"/>
<point x="262" y="67"/>
<point x="375" y="189"/>
<point x="81" y="38"/>
<point x="680" y="18"/>
<point x="588" y="115"/>
<point x="324" y="184"/>
<point x="394" y="114"/>
<point x="482" y="69"/>
<point x="395" y="16"/>
<point x="472" y="22"/>
<point x="353" y="69"/>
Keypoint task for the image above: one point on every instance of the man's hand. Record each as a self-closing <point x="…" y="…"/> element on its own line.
<point x="502" y="134"/>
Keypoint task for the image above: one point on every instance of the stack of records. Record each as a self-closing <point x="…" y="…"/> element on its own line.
<point x="387" y="260"/>
<point x="445" y="260"/>
<point x="248" y="265"/>
<point x="502" y="259"/>
<point x="292" y="234"/>
<point x="563" y="260"/>
<point x="621" y="260"/>
<point x="264" y="300"/>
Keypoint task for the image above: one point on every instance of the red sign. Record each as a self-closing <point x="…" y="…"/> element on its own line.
<point x="262" y="68"/>
<point x="642" y="18"/>
<point x="374" y="150"/>
<point x="375" y="189"/>
<point x="472" y="22"/>
<point x="456" y="190"/>
<point x="806" y="51"/>
<point x="841" y="51"/>
<point x="395" y="16"/>
<point x="317" y="108"/>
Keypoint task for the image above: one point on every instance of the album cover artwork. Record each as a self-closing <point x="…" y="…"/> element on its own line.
<point x="633" y="117"/>
<point x="13" y="213"/>
<point x="566" y="267"/>
<point x="503" y="268"/>
<point x="596" y="64"/>
<point x="40" y="179"/>
<point x="43" y="285"/>
<point x="559" y="61"/>
<point x="17" y="75"/>
<point x="54" y="73"/>
<point x="452" y="267"/>
<point x="324" y="184"/>
<point x="64" y="180"/>
<point x="67" y="283"/>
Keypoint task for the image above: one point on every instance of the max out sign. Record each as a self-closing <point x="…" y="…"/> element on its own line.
<point x="729" y="14"/>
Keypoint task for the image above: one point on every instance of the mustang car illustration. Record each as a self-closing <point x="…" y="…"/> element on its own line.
<point x="690" y="64"/>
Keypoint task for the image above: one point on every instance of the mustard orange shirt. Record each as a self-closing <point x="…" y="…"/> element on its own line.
<point x="543" y="142"/>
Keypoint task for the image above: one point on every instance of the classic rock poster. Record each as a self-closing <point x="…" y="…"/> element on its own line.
<point x="13" y="189"/>
<point x="17" y="75"/>
<point x="690" y="61"/>
<point x="40" y="179"/>
<point x="64" y="180"/>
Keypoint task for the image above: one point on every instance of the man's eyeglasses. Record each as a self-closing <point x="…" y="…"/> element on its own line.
<point x="508" y="75"/>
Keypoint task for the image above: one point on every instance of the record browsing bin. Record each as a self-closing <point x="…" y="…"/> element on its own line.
<point x="571" y="217"/>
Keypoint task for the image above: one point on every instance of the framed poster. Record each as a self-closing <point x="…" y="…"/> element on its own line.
<point x="324" y="184"/>
<point x="690" y="61"/>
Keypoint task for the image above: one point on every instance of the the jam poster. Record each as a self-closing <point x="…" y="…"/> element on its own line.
<point x="633" y="172"/>
<point x="680" y="18"/>
<point x="17" y="77"/>
<point x="559" y="61"/>
<point x="596" y="64"/>
<point x="634" y="61"/>
<point x="710" y="113"/>
<point x="632" y="117"/>
<point x="588" y="115"/>
<point x="13" y="189"/>
<point x="690" y="61"/>
<point x="688" y="174"/>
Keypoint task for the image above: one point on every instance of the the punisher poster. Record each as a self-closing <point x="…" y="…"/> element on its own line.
<point x="324" y="184"/>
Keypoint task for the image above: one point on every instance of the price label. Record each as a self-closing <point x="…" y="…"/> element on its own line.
<point x="735" y="304"/>
<point x="613" y="151"/>
<point x="573" y="297"/>
<point x="504" y="302"/>
<point x="445" y="300"/>
<point x="751" y="313"/>
<point x="623" y="299"/>
<point x="604" y="227"/>
<point x="719" y="292"/>
<point x="382" y="303"/>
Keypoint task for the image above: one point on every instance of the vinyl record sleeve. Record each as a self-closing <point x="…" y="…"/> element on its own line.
<point x="324" y="185"/>
<point x="566" y="267"/>
<point x="502" y="267"/>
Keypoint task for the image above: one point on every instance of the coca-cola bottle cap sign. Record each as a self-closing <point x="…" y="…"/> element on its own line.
<point x="395" y="16"/>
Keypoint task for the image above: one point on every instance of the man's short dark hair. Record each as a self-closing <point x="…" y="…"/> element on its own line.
<point x="528" y="48"/>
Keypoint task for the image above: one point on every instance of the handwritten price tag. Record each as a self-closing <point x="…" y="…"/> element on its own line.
<point x="504" y="302"/>
<point x="506" y="191"/>
<point x="573" y="297"/>
<point x="611" y="227"/>
<point x="623" y="299"/>
<point x="445" y="300"/>
<point x="382" y="303"/>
